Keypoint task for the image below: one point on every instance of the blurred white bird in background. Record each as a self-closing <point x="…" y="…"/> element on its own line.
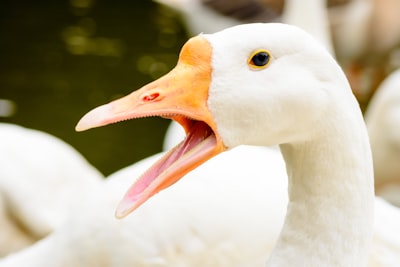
<point x="41" y="180"/>
<point x="383" y="122"/>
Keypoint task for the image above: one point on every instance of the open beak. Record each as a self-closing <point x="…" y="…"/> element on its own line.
<point x="180" y="95"/>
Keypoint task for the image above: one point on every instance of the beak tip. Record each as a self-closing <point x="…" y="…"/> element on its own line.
<point x="93" y="118"/>
<point x="80" y="127"/>
<point x="123" y="209"/>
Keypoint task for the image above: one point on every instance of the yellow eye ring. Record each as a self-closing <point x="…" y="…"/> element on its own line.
<point x="259" y="59"/>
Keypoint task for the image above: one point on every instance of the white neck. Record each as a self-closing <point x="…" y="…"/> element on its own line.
<point x="330" y="212"/>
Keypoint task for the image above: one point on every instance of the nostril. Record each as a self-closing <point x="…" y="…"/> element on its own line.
<point x="150" y="97"/>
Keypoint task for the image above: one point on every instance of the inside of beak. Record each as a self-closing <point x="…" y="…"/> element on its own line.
<point x="200" y="144"/>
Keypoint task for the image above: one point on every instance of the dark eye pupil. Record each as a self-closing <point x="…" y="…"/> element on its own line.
<point x="260" y="59"/>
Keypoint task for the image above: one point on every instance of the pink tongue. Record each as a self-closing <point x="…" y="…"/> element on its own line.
<point x="197" y="134"/>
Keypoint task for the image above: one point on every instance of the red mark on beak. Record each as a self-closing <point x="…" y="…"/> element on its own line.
<point x="151" y="97"/>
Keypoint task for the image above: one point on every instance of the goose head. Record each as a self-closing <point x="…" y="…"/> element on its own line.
<point x="253" y="84"/>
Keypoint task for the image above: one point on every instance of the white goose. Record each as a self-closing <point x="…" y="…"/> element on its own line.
<point x="266" y="84"/>
<point x="383" y="119"/>
<point x="39" y="173"/>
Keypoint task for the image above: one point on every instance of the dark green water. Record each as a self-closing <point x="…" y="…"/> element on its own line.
<point x="59" y="59"/>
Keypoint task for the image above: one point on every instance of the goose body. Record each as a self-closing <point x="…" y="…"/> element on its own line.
<point x="383" y="118"/>
<point x="39" y="173"/>
<point x="268" y="84"/>
<point x="169" y="231"/>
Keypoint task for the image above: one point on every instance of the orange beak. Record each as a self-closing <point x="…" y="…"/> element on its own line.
<point x="180" y="95"/>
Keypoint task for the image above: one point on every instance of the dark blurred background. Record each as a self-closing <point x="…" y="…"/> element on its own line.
<point x="59" y="59"/>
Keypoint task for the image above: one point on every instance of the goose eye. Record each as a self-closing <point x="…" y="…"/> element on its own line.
<point x="259" y="59"/>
